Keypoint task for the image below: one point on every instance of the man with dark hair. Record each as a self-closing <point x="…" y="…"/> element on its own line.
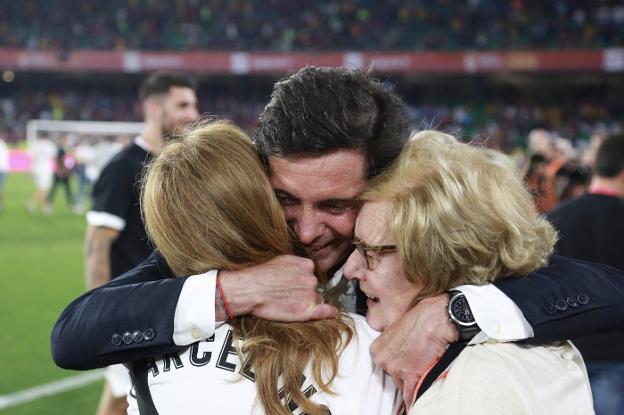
<point x="362" y="115"/>
<point x="324" y="133"/>
<point x="116" y="240"/>
<point x="591" y="228"/>
<point x="303" y="137"/>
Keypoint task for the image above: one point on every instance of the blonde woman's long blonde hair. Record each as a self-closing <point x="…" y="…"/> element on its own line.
<point x="208" y="204"/>
<point x="460" y="214"/>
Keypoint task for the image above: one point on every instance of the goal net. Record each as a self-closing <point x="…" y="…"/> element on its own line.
<point x="91" y="144"/>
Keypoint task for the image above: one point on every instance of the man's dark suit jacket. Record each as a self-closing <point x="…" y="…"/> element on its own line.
<point x="591" y="228"/>
<point x="132" y="317"/>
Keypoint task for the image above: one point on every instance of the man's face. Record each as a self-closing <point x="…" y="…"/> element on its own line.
<point x="318" y="194"/>
<point x="179" y="110"/>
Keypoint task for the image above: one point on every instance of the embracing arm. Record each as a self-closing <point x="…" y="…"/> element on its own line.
<point x="89" y="333"/>
<point x="569" y="298"/>
<point x="146" y="312"/>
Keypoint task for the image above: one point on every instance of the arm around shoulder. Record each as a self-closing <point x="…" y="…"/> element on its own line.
<point x="128" y="318"/>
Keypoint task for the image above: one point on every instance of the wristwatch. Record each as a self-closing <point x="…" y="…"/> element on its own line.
<point x="461" y="316"/>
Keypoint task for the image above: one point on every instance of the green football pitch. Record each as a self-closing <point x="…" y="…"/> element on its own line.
<point x="40" y="273"/>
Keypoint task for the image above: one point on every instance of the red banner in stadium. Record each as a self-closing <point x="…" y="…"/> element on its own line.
<point x="608" y="60"/>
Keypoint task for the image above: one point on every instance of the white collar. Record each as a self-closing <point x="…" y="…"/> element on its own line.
<point x="140" y="141"/>
<point x="335" y="279"/>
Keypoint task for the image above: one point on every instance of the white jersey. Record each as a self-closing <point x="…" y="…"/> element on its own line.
<point x="207" y="377"/>
<point x="42" y="152"/>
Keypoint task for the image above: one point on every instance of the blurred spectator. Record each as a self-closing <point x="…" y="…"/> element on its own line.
<point x="62" y="173"/>
<point x="43" y="151"/>
<point x="85" y="157"/>
<point x="541" y="142"/>
<point x="553" y="173"/>
<point x="321" y="25"/>
<point x="571" y="181"/>
<point x="4" y="168"/>
<point x="588" y="155"/>
<point x="538" y="182"/>
<point x="591" y="228"/>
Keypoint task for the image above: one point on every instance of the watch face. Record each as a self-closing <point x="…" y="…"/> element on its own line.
<point x="461" y="311"/>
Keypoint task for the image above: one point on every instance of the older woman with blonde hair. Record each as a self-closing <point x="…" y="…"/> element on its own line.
<point x="447" y="214"/>
<point x="208" y="205"/>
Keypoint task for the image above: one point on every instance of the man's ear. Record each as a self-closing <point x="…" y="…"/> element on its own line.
<point x="152" y="108"/>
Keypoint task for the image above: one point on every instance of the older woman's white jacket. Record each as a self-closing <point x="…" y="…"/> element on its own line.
<point x="509" y="378"/>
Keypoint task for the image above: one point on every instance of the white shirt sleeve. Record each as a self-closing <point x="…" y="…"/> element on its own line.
<point x="195" y="312"/>
<point x="105" y="219"/>
<point x="497" y="316"/>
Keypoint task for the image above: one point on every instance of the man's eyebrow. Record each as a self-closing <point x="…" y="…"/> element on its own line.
<point x="281" y="192"/>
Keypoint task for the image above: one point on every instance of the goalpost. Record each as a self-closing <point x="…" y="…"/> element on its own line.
<point x="91" y="143"/>
<point x="91" y="128"/>
<point x="102" y="132"/>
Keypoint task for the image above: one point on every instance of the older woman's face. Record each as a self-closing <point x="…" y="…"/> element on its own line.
<point x="383" y="281"/>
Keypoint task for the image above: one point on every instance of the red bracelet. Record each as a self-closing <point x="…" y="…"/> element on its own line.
<point x="223" y="301"/>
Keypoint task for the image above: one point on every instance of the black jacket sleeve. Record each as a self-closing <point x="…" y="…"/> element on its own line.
<point x="569" y="298"/>
<point x="129" y="318"/>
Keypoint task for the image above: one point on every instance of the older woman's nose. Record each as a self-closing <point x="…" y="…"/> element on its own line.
<point x="354" y="267"/>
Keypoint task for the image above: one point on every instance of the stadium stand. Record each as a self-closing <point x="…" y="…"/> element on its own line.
<point x="333" y="25"/>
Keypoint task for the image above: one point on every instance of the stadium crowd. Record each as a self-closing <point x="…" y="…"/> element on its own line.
<point x="505" y="125"/>
<point x="340" y="24"/>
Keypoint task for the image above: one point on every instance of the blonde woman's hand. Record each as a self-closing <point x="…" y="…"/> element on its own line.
<point x="282" y="289"/>
<point x="407" y="348"/>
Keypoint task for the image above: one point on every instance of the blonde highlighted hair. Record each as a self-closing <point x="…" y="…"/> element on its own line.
<point x="460" y="214"/>
<point x="208" y="204"/>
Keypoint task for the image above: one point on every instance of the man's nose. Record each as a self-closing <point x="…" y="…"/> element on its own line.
<point x="353" y="268"/>
<point x="308" y="226"/>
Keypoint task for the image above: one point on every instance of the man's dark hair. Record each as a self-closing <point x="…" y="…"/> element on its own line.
<point x="318" y="110"/>
<point x="610" y="156"/>
<point x="160" y="82"/>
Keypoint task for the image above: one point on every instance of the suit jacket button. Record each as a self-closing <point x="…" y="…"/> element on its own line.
<point x="127" y="337"/>
<point x="582" y="299"/>
<point x="550" y="308"/>
<point x="148" y="334"/>
<point x="572" y="302"/>
<point x="561" y="305"/>
<point x="137" y="336"/>
<point x="116" y="339"/>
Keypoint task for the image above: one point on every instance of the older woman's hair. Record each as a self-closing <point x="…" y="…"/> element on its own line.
<point x="460" y="214"/>
<point x="208" y="204"/>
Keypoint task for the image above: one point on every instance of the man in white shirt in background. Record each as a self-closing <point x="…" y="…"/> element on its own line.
<point x="43" y="151"/>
